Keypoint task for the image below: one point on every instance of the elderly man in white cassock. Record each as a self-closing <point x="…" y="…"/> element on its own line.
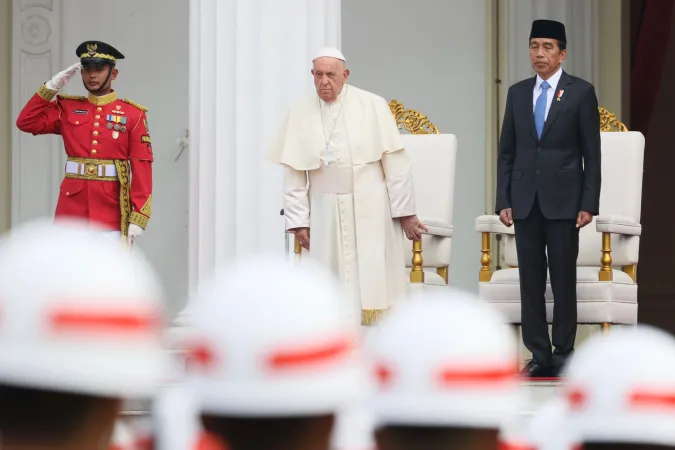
<point x="348" y="180"/>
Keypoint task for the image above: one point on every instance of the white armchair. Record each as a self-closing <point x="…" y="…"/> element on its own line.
<point x="433" y="157"/>
<point x="608" y="247"/>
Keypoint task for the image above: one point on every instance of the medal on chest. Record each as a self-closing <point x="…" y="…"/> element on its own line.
<point x="117" y="123"/>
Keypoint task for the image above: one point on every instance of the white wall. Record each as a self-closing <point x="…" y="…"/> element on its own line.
<point x="154" y="39"/>
<point x="6" y="122"/>
<point x="430" y="55"/>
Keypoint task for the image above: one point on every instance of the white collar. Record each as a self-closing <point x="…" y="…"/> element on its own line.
<point x="552" y="81"/>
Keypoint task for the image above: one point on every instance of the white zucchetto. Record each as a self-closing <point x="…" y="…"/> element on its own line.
<point x="331" y="53"/>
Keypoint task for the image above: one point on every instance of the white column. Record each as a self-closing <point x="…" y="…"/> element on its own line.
<point x="37" y="161"/>
<point x="581" y="19"/>
<point x="249" y="61"/>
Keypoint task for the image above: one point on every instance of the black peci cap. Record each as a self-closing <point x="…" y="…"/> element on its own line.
<point x="97" y="53"/>
<point x="548" y="29"/>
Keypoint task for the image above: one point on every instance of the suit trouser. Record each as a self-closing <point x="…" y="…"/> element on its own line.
<point x="535" y="237"/>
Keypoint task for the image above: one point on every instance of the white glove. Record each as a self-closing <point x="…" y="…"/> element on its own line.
<point x="133" y="232"/>
<point x="60" y="79"/>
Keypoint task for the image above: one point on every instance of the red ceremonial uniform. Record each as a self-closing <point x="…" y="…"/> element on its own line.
<point x="107" y="142"/>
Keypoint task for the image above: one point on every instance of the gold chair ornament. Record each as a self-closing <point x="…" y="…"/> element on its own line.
<point x="411" y="120"/>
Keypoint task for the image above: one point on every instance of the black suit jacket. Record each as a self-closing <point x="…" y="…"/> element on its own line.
<point x="563" y="167"/>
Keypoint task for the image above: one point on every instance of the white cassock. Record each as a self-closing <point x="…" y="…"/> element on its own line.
<point x="347" y="178"/>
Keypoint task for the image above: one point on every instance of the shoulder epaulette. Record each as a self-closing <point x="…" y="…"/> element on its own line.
<point x="133" y="103"/>
<point x="72" y="97"/>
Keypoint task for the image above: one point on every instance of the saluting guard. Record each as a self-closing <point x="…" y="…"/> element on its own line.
<point x="107" y="140"/>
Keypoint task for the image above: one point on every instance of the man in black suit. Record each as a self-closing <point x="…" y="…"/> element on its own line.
<point x="548" y="184"/>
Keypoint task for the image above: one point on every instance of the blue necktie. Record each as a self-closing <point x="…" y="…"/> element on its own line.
<point x="540" y="109"/>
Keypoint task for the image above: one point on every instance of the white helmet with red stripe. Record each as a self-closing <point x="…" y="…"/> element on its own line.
<point x="444" y="359"/>
<point x="122" y="437"/>
<point x="549" y="428"/>
<point x="621" y="388"/>
<point x="272" y="339"/>
<point x="353" y="428"/>
<point x="78" y="313"/>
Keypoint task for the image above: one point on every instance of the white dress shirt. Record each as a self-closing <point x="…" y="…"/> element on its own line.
<point x="553" y="82"/>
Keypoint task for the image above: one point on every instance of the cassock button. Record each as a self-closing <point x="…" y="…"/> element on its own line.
<point x="93" y="152"/>
<point x="97" y="117"/>
<point x="95" y="142"/>
<point x="99" y="109"/>
<point x="95" y="133"/>
<point x="96" y="124"/>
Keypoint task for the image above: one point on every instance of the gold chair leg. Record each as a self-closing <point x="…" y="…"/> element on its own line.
<point x="485" y="273"/>
<point x="606" y="327"/>
<point x="443" y="273"/>
<point x="417" y="272"/>
<point x="631" y="271"/>
<point x="605" y="273"/>
<point x="297" y="250"/>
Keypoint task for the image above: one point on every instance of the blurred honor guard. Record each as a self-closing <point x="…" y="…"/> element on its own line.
<point x="71" y="351"/>
<point x="616" y="398"/>
<point x="106" y="140"/>
<point x="264" y="383"/>
<point x="548" y="429"/>
<point x="446" y="370"/>
<point x="345" y="143"/>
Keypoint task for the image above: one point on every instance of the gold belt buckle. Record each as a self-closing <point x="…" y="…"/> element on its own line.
<point x="90" y="170"/>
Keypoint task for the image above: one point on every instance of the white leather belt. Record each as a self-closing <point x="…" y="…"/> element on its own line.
<point x="332" y="180"/>
<point x="88" y="169"/>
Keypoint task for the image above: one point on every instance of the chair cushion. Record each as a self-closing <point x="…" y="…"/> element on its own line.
<point x="597" y="301"/>
<point x="505" y="287"/>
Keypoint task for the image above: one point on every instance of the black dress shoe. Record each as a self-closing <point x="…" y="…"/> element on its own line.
<point x="534" y="370"/>
<point x="555" y="371"/>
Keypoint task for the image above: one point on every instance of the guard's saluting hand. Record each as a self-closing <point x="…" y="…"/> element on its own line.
<point x="62" y="78"/>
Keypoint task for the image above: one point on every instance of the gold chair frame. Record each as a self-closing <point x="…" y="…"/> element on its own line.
<point x="414" y="122"/>
<point x="608" y="123"/>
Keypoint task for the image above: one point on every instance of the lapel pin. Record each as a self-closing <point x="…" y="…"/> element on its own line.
<point x="560" y="94"/>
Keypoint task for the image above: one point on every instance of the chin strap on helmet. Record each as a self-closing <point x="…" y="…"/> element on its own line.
<point x="105" y="83"/>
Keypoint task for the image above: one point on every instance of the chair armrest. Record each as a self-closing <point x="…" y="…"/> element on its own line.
<point x="618" y="225"/>
<point x="437" y="227"/>
<point x="492" y="224"/>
